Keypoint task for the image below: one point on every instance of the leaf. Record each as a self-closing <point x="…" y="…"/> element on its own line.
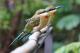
<point x="78" y="1"/>
<point x="70" y="48"/>
<point x="68" y="22"/>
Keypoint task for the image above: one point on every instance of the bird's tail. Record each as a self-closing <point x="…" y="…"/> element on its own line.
<point x="19" y="37"/>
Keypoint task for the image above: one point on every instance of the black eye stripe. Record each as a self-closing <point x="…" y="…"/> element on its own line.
<point x="47" y="10"/>
<point x="51" y="9"/>
<point x="42" y="12"/>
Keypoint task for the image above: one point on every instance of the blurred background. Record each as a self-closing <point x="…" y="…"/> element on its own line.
<point x="13" y="14"/>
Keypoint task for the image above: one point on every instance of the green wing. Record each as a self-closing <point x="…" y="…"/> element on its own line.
<point x="18" y="38"/>
<point x="27" y="30"/>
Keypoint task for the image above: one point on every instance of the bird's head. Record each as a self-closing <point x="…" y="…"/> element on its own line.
<point x="40" y="11"/>
<point x="49" y="11"/>
<point x="52" y="10"/>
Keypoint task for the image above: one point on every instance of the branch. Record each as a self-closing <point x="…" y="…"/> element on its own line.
<point x="31" y="43"/>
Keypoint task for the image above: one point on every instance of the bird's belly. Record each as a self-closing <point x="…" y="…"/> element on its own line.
<point x="43" y="23"/>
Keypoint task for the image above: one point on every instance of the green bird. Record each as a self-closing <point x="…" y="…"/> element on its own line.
<point x="47" y="17"/>
<point x="40" y="19"/>
<point x="31" y="22"/>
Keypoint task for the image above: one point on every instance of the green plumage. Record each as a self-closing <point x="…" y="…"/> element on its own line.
<point x="35" y="21"/>
<point x="31" y="22"/>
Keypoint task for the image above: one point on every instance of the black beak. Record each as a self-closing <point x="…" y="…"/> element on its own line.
<point x="55" y="8"/>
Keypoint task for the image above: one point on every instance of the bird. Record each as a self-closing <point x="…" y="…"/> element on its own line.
<point x="47" y="17"/>
<point x="31" y="22"/>
<point x="52" y="11"/>
<point x="38" y="21"/>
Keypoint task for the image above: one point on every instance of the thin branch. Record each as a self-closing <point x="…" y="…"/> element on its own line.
<point x="32" y="42"/>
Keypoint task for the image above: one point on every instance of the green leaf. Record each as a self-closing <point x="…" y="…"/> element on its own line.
<point x="78" y="1"/>
<point x="68" y="22"/>
<point x="70" y="48"/>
